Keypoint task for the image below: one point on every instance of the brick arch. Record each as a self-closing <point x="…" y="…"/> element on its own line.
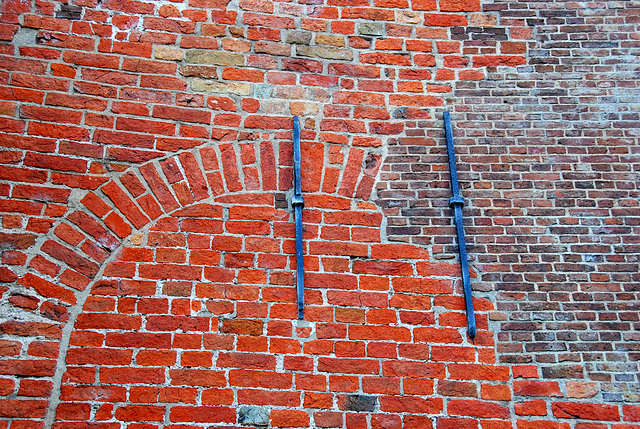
<point x="87" y="238"/>
<point x="348" y="139"/>
<point x="107" y="216"/>
<point x="221" y="319"/>
<point x="207" y="191"/>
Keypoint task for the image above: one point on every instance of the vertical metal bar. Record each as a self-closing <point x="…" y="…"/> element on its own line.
<point x="298" y="203"/>
<point x="456" y="202"/>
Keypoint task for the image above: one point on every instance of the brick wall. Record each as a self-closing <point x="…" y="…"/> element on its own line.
<point x="550" y="160"/>
<point x="147" y="235"/>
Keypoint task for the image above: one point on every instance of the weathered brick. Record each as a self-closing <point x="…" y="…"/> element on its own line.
<point x="202" y="414"/>
<point x="585" y="411"/>
<point x="195" y="56"/>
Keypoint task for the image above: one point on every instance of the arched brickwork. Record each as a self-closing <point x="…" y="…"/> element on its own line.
<point x="208" y="325"/>
<point x="210" y="277"/>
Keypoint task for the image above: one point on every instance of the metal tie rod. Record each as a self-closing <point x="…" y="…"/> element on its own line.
<point x="456" y="202"/>
<point x="298" y="203"/>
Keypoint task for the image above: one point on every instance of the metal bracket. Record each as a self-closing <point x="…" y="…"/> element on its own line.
<point x="456" y="202"/>
<point x="298" y="203"/>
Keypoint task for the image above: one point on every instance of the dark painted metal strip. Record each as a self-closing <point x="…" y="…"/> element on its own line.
<point x="456" y="202"/>
<point x="298" y="203"/>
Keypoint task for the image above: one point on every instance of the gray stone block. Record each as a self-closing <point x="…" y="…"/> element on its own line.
<point x="251" y="415"/>
<point x="361" y="403"/>
<point x="371" y="29"/>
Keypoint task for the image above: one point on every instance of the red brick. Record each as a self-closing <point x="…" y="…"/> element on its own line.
<point x="48" y="289"/>
<point x="537" y="388"/>
<point x="422" y="285"/>
<point x="341" y="383"/>
<point x="108" y="321"/>
<point x="459" y="5"/>
<point x="197" y="182"/>
<point x="39" y="82"/>
<point x="202" y="414"/>
<point x="246" y="360"/>
<point x="318" y="400"/>
<point x="417" y="422"/>
<point x="444" y="20"/>
<point x="215" y="397"/>
<point x="348" y="366"/>
<point x="531" y="408"/>
<point x="453" y="354"/>
<point x="27" y="368"/>
<point x="424" y="5"/>
<point x="94" y="229"/>
<point x="35" y="388"/>
<point x="156" y="358"/>
<point x="338" y="249"/>
<point x="186" y="115"/>
<point x="50" y="115"/>
<point x="467" y="407"/>
<point x="385" y="421"/>
<point x="328" y="419"/>
<point x="158" y="187"/>
<point x="179" y="395"/>
<point x="269" y="397"/>
<point x="418" y="386"/>
<point x="125" y="375"/>
<point x="262" y="379"/>
<point x="495" y="392"/>
<point x="575" y="410"/>
<point x="230" y="168"/>
<point x="88" y="355"/>
<point x="289" y="418"/>
<point x="243" y="327"/>
<point x="400" y="404"/>
<point x="631" y="413"/>
<point x="525" y="371"/>
<point x="456" y="423"/>
<point x="84" y="425"/>
<point x="140" y="413"/>
<point x="310" y="381"/>
<point x="22" y="301"/>
<point x="7" y="386"/>
<point x="48" y="330"/>
<point x="22" y="409"/>
<point x="379" y="333"/>
<point x="95" y="204"/>
<point x="385" y="58"/>
<point x="478" y="372"/>
<point x="170" y="271"/>
<point x="413" y="369"/>
<point x="142" y="394"/>
<point x="498" y="60"/>
<point x="540" y="424"/>
<point x="125" y="204"/>
<point x="138" y="340"/>
<point x="387" y="385"/>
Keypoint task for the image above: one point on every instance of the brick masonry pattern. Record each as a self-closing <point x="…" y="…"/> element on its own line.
<point x="549" y="157"/>
<point x="147" y="239"/>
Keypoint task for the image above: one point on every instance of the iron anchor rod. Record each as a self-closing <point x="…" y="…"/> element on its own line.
<point x="456" y="203"/>
<point x="298" y="203"/>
